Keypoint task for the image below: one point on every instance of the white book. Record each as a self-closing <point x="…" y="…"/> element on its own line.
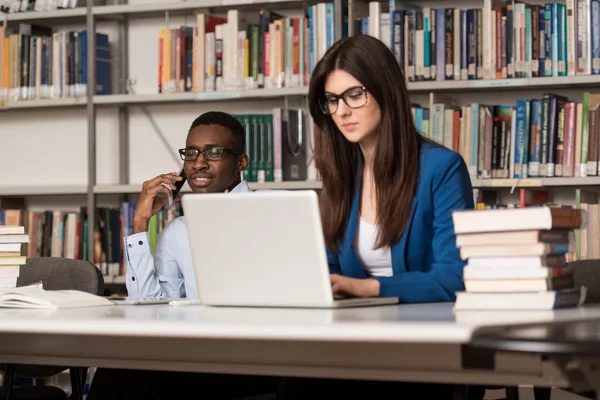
<point x="8" y="282"/>
<point x="36" y="297"/>
<point x="487" y="38"/>
<point x="230" y="66"/>
<point x="12" y="230"/>
<point x="10" y="271"/>
<point x="374" y="21"/>
<point x="18" y="238"/>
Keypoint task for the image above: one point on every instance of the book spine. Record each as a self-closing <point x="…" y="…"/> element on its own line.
<point x="571" y="31"/>
<point x="464" y="48"/>
<point x="433" y="44"/>
<point x="584" y="135"/>
<point x="535" y="139"/>
<point x="528" y="43"/>
<point x="542" y="41"/>
<point x="570" y="123"/>
<point x="535" y="40"/>
<point x="449" y="28"/>
<point x="595" y="37"/>
<point x="545" y="135"/>
<point x="548" y="65"/>
<point x="560" y="140"/>
<point x="510" y="41"/>
<point x="479" y="37"/>
<point x="441" y="45"/>
<point x="472" y="43"/>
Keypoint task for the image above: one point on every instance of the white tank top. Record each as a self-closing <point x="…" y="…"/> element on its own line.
<point x="375" y="262"/>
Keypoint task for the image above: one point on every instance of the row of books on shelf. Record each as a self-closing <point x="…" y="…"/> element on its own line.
<point x="58" y="233"/>
<point x="279" y="146"/>
<point x="17" y="6"/>
<point x="258" y="49"/>
<point x="517" y="258"/>
<point x="547" y="137"/>
<point x="36" y="63"/>
<point x="503" y="39"/>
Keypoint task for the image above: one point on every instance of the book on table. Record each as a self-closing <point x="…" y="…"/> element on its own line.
<point x="34" y="296"/>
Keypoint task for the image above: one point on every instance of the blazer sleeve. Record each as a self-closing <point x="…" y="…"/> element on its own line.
<point x="451" y="190"/>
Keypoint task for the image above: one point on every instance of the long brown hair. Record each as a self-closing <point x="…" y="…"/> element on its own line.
<point x="396" y="154"/>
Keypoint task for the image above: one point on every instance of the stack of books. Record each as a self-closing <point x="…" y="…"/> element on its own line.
<point x="12" y="238"/>
<point x="517" y="258"/>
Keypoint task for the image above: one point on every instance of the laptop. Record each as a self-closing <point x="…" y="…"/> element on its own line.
<point x="262" y="249"/>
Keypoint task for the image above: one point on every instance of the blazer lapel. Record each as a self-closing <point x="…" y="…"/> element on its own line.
<point x="349" y="262"/>
<point x="399" y="249"/>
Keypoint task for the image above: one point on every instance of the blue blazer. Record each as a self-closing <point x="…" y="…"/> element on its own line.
<point x="426" y="262"/>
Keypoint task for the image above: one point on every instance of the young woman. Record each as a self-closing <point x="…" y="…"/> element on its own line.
<point x="388" y="193"/>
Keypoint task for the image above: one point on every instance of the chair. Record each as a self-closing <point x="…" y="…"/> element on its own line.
<point x="55" y="274"/>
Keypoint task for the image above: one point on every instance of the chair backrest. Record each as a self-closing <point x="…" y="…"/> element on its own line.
<point x="62" y="274"/>
<point x="587" y="273"/>
<point x="57" y="274"/>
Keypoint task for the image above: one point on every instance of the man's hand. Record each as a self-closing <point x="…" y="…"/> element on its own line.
<point x="354" y="287"/>
<point x="149" y="202"/>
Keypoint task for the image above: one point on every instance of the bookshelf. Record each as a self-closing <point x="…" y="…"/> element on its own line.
<point x="291" y="185"/>
<point x="128" y="23"/>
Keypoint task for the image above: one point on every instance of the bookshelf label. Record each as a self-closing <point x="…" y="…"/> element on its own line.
<point x="498" y="83"/>
<point x="517" y="182"/>
<point x="218" y="95"/>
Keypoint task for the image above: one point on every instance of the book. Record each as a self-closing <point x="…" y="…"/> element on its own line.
<point x="36" y="297"/>
<point x="548" y="300"/>
<point x="514" y="250"/>
<point x="520" y="237"/>
<point x="519" y="285"/>
<point x="517" y="219"/>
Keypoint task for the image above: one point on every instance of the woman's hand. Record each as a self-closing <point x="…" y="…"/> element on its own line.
<point x="343" y="285"/>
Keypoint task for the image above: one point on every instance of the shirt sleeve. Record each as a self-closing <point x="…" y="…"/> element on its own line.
<point x="452" y="190"/>
<point x="157" y="275"/>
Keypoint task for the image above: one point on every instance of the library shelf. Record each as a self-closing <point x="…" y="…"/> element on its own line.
<point x="66" y="102"/>
<point x="60" y="16"/>
<point x="289" y="185"/>
<point x="189" y="97"/>
<point x="157" y="9"/>
<point x="536" y="182"/>
<point x="42" y="190"/>
<point x="551" y="82"/>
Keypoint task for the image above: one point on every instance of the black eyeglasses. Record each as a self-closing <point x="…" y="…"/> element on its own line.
<point x="354" y="97"/>
<point x="209" y="154"/>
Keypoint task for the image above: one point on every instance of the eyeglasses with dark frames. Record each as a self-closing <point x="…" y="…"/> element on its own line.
<point x="209" y="154"/>
<point x="354" y="97"/>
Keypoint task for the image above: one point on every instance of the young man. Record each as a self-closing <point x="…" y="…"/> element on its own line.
<point x="213" y="161"/>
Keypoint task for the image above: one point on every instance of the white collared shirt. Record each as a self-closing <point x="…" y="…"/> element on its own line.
<point x="170" y="271"/>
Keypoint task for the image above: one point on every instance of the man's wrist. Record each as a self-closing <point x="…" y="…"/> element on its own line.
<point x="140" y="224"/>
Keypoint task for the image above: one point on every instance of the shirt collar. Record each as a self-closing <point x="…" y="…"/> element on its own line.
<point x="242" y="187"/>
